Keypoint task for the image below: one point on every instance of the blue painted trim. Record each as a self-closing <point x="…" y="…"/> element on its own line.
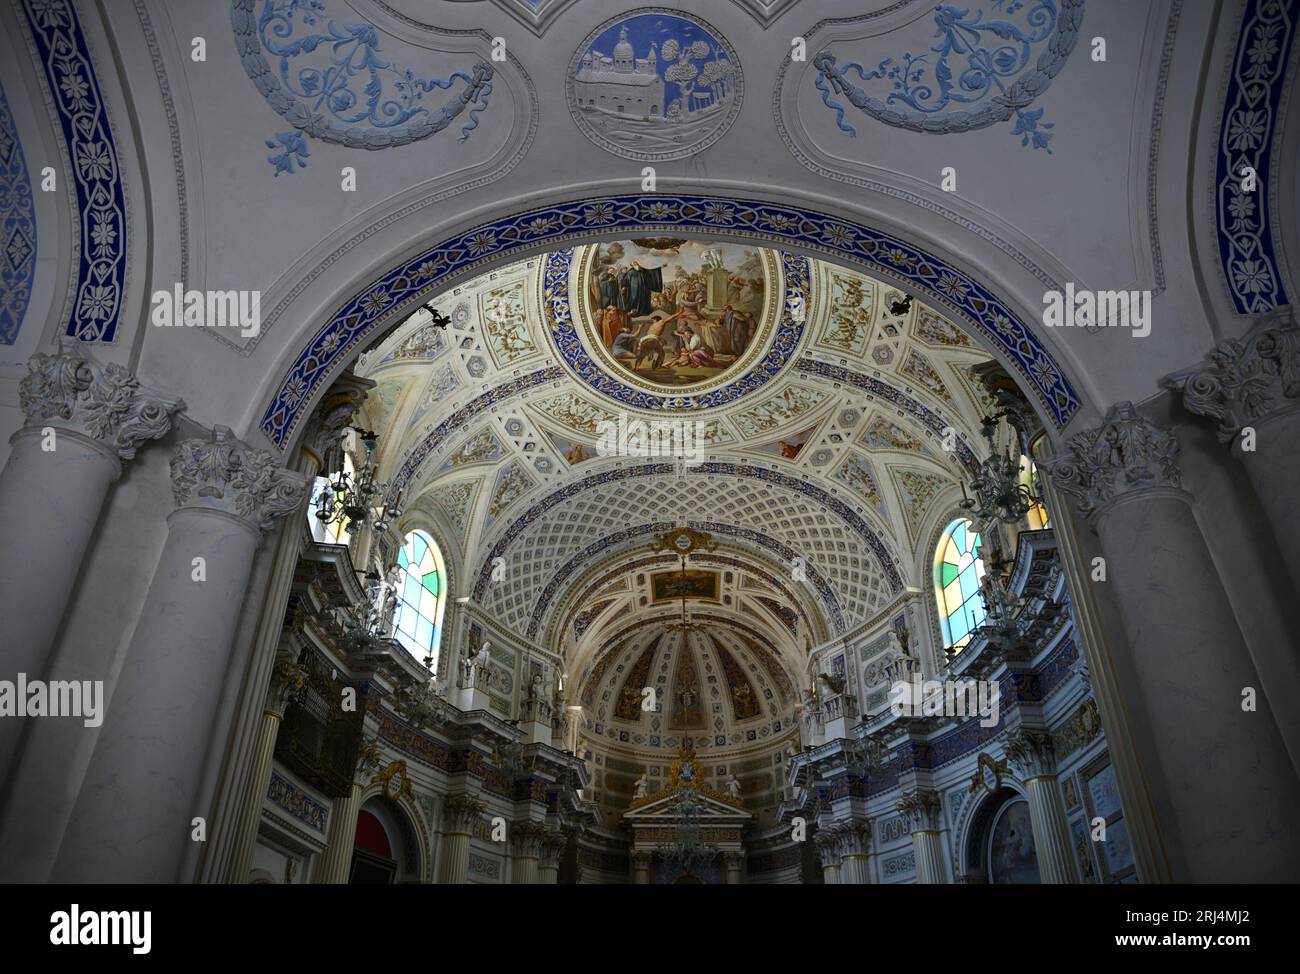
<point x="17" y="228"/>
<point x="1247" y="130"/>
<point x="404" y="288"/>
<point x="97" y="178"/>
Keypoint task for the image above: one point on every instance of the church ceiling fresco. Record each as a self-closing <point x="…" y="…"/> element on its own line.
<point x="802" y="459"/>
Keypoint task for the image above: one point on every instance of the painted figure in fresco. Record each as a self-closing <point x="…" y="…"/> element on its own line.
<point x="651" y="343"/>
<point x="609" y="289"/>
<point x="625" y="342"/>
<point x="694" y="353"/>
<point x="612" y="321"/>
<point x="636" y="284"/>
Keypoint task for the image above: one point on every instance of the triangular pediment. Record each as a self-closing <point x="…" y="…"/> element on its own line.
<point x="706" y="809"/>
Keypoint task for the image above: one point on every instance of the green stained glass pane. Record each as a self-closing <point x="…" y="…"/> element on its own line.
<point x="947" y="572"/>
<point x="430" y="581"/>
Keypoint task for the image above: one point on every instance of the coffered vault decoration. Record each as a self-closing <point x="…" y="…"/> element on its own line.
<point x="330" y="81"/>
<point x="653" y="85"/>
<point x="404" y="288"/>
<point x="989" y="64"/>
<point x="828" y="467"/>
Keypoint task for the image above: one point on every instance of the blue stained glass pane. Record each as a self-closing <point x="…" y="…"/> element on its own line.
<point x="411" y="590"/>
<point x="424" y="632"/>
<point x="402" y="560"/>
<point x="959" y="536"/>
<point x="969" y="584"/>
<point x="428" y="603"/>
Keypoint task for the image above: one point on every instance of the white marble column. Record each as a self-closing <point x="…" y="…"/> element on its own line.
<point x="84" y="420"/>
<point x="459" y="815"/>
<point x="1033" y="756"/>
<point x="553" y="846"/>
<point x="922" y="811"/>
<point x="1254" y="382"/>
<point x="525" y="852"/>
<point x="134" y="812"/>
<point x="288" y="678"/>
<point x="733" y="865"/>
<point x="1228" y="792"/>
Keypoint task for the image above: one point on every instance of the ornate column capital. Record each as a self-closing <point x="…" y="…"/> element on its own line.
<point x="527" y="839"/>
<point x="921" y="809"/>
<point x="287" y="680"/>
<point x="554" y="843"/>
<point x="1032" y="753"/>
<point x="829" y="842"/>
<point x="855" y="837"/>
<point x="222" y="473"/>
<point x="71" y="390"/>
<point x="1126" y="453"/>
<point x="462" y="812"/>
<point x="1245" y="380"/>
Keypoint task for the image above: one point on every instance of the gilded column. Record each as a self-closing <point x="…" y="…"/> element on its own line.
<point x="921" y="809"/>
<point x="553" y="846"/>
<point x="525" y="851"/>
<point x="287" y="680"/>
<point x="136" y="811"/>
<point x="1033" y="756"/>
<point x="335" y="863"/>
<point x="459" y="815"/>
<point x="1253" y="383"/>
<point x="84" y="421"/>
<point x="1226" y="790"/>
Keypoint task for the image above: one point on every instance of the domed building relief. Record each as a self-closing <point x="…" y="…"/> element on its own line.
<point x="654" y="85"/>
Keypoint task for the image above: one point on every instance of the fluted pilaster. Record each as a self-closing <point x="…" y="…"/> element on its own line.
<point x="460" y="814"/>
<point x="1033" y="756"/>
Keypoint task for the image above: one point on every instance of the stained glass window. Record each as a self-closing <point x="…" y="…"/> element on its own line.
<point x="419" y="590"/>
<point x="958" y="569"/>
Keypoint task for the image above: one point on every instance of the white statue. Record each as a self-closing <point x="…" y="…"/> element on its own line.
<point x="733" y="786"/>
<point x="642" y="785"/>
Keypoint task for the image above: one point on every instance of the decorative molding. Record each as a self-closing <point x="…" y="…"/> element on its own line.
<point x="461" y="813"/>
<point x="1245" y="381"/>
<point x="399" y="290"/>
<point x="100" y="213"/>
<point x="284" y="794"/>
<point x="387" y="109"/>
<point x="922" y="810"/>
<point x="1032" y="754"/>
<point x="1003" y="82"/>
<point x="17" y="228"/>
<point x="70" y="389"/>
<point x="1127" y="452"/>
<point x="222" y="473"/>
<point x="1256" y="88"/>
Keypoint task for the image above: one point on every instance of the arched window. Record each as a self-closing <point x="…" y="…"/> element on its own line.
<point x="419" y="594"/>
<point x="336" y="531"/>
<point x="958" y="568"/>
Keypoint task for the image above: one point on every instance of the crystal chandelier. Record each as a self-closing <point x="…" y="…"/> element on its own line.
<point x="688" y="850"/>
<point x="998" y="493"/>
<point x="352" y="497"/>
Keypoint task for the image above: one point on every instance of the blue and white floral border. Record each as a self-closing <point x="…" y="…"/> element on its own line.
<point x="1247" y="131"/>
<point x="17" y="228"/>
<point x="404" y="288"/>
<point x="64" y="56"/>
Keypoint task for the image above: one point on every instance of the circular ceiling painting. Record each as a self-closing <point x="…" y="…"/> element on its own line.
<point x="669" y="323"/>
<point x="654" y="85"/>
